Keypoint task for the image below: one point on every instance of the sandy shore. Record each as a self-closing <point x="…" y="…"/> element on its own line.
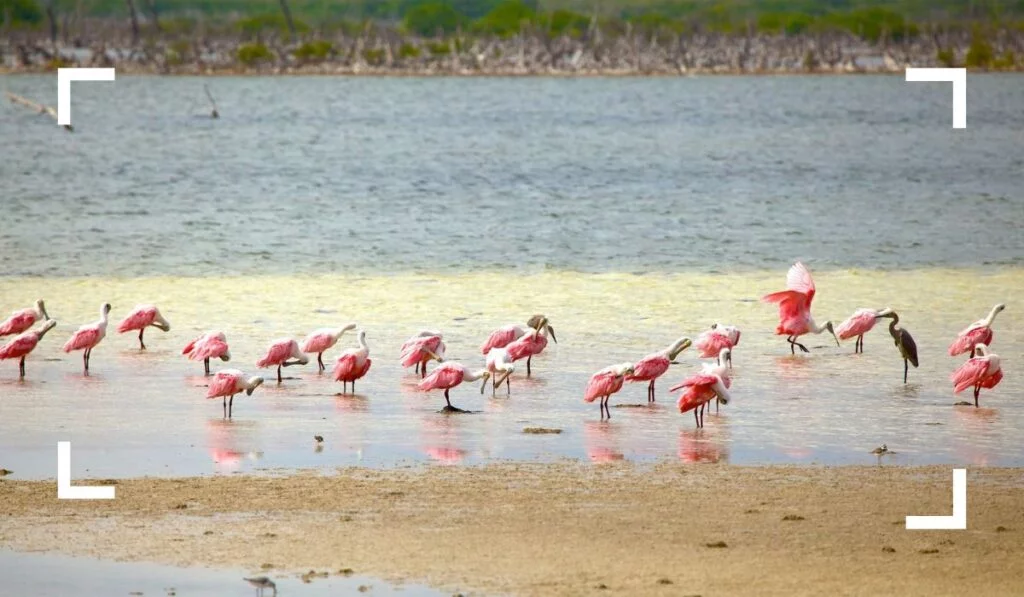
<point x="565" y="529"/>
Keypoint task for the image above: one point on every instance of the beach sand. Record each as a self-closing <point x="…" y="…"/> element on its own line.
<point x="560" y="529"/>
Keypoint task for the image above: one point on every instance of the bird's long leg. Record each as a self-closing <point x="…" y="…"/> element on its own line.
<point x="702" y="415"/>
<point x="801" y="346"/>
<point x="792" y="348"/>
<point x="972" y="353"/>
<point x="353" y="386"/>
<point x="85" y="359"/>
<point x="416" y="369"/>
<point x="977" y="390"/>
<point x="320" y="360"/>
<point x="695" y="419"/>
<point x="717" y="402"/>
<point x="528" y="365"/>
<point x="862" y="344"/>
<point x="446" y="399"/>
<point x="206" y="365"/>
<point x="142" y="345"/>
<point x="508" y="385"/>
<point x="21" y="367"/>
<point x="423" y="369"/>
<point x="231" y="402"/>
<point x="905" y="369"/>
<point x="279" y="380"/>
<point x="224" y="405"/>
<point x="650" y="392"/>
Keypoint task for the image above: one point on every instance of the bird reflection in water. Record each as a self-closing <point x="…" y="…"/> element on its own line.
<point x="599" y="437"/>
<point x="227" y="441"/>
<point x="441" y="439"/>
<point x="703" y="445"/>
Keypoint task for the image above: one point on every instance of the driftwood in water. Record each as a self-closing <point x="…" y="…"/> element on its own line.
<point x="213" y="102"/>
<point x="31" y="105"/>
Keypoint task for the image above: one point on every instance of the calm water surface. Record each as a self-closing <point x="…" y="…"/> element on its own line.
<point x="631" y="212"/>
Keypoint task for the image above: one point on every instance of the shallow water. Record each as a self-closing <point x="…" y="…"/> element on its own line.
<point x="51" y="575"/>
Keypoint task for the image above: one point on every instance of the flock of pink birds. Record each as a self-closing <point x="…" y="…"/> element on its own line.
<point x="513" y="343"/>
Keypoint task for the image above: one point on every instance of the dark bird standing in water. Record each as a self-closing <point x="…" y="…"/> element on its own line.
<point x="904" y="342"/>
<point x="261" y="583"/>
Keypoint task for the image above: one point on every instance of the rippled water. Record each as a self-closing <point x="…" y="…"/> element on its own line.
<point x="631" y="212"/>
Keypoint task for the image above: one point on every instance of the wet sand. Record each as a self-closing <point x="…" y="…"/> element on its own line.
<point x="560" y="529"/>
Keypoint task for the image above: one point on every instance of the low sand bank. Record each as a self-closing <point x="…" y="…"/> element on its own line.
<point x="566" y="529"/>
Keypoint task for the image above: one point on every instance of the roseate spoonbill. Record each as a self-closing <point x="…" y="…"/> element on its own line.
<point x="352" y="364"/>
<point x="979" y="332"/>
<point x="701" y="389"/>
<point x="859" y="324"/>
<point x="88" y="336"/>
<point x="279" y="353"/>
<point x="653" y="366"/>
<point x="228" y="382"/>
<point x="321" y="340"/>
<point x="502" y="337"/>
<point x="531" y="343"/>
<point x="500" y="365"/>
<point x="904" y="342"/>
<point x="24" y="343"/>
<point x="606" y="382"/>
<point x="711" y="342"/>
<point x="20" y="321"/>
<point x="795" y="308"/>
<point x="980" y="371"/>
<point x="420" y="349"/>
<point x="211" y="345"/>
<point x="140" y="318"/>
<point x="449" y="375"/>
<point x="719" y="368"/>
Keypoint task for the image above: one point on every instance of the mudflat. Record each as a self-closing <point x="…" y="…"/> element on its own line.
<point x="560" y="529"/>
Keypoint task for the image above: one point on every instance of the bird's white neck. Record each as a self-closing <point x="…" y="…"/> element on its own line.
<point x="362" y="342"/>
<point x="474" y="375"/>
<point x="991" y="316"/>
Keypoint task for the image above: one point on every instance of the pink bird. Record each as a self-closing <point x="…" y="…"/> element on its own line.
<point x="24" y="343"/>
<point x="449" y="375"/>
<point x="88" y="336"/>
<point x="420" y="349"/>
<point x="711" y="342"/>
<point x="502" y="337"/>
<point x="979" y="332"/>
<point x="279" y="353"/>
<point x="140" y="318"/>
<point x="653" y="366"/>
<point x="228" y="382"/>
<point x="980" y="371"/>
<point x="211" y="345"/>
<point x="22" y="320"/>
<point x="500" y="365"/>
<point x="531" y="343"/>
<point x="795" y="308"/>
<point x="322" y="340"/>
<point x="701" y="389"/>
<point x="606" y="382"/>
<point x="859" y="324"/>
<point x="352" y="364"/>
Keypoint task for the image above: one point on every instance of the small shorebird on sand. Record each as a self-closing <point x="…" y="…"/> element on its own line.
<point x="261" y="583"/>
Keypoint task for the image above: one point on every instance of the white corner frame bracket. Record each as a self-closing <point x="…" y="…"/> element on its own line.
<point x="956" y="76"/>
<point x="67" y="491"/>
<point x="64" y="78"/>
<point x="956" y="522"/>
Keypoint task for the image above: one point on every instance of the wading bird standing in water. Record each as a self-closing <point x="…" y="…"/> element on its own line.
<point x="142" y="317"/>
<point x="500" y="365"/>
<point x="24" y="343"/>
<point x="211" y="345"/>
<point x="980" y="371"/>
<point x="352" y="364"/>
<point x="449" y="375"/>
<point x="20" y="321"/>
<point x="420" y="349"/>
<point x="228" y="382"/>
<point x="711" y="383"/>
<point x="606" y="382"/>
<point x="904" y="342"/>
<point x="653" y="366"/>
<point x="88" y="336"/>
<point x="795" y="308"/>
<point x="979" y="332"/>
<point x="502" y="337"/>
<point x="710" y="343"/>
<point x="321" y="340"/>
<point x="531" y="343"/>
<point x="282" y="353"/>
<point x="859" y="324"/>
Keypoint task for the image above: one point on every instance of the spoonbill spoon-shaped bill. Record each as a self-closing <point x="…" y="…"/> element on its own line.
<point x="981" y="371"/>
<point x="858" y="324"/>
<point x="700" y="389"/>
<point x="606" y="382"/>
<point x="979" y="332"/>
<point x="352" y="364"/>
<point x="530" y="344"/>
<point x="904" y="343"/>
<point x="500" y="365"/>
<point x="450" y="375"/>
<point x="88" y="336"/>
<point x="21" y="345"/>
<point x="140" y="318"/>
<point x="321" y="340"/>
<point x="228" y="382"/>
<point x="653" y="366"/>
<point x="284" y="352"/>
<point x="211" y="345"/>
<point x="20" y="321"/>
<point x="711" y="342"/>
<point x="502" y="337"/>
<point x="795" y="318"/>
<point x="421" y="349"/>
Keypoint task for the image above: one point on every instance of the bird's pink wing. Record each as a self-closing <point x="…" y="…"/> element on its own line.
<point x="223" y="384"/>
<point x="20" y="346"/>
<point x="363" y="370"/>
<point x="859" y="323"/>
<point x="137" y="320"/>
<point x="969" y="374"/>
<point x="317" y="342"/>
<point x="191" y="345"/>
<point x="344" y="367"/>
<point x="711" y="343"/>
<point x="700" y="379"/>
<point x="648" y="368"/>
<point x="18" y="322"/>
<point x="446" y="376"/>
<point x="209" y="348"/>
<point x="969" y="338"/>
<point x="85" y="337"/>
<point x="499" y="339"/>
<point x="734" y="336"/>
<point x="602" y="384"/>
<point x="415" y="350"/>
<point x="798" y="278"/>
<point x="993" y="380"/>
<point x="693" y="397"/>
<point x="276" y="354"/>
